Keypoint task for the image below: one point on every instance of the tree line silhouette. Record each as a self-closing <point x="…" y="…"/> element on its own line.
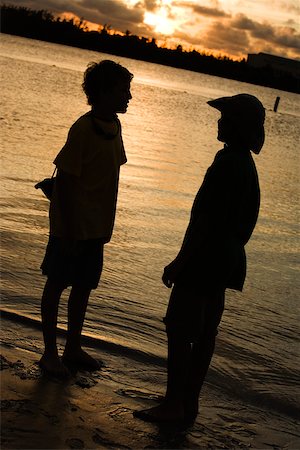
<point x="43" y="25"/>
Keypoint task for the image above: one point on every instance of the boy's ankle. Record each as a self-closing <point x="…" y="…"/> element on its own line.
<point x="51" y="353"/>
<point x="72" y="348"/>
<point x="173" y="403"/>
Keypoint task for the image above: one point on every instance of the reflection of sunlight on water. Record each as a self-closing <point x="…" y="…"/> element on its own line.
<point x="186" y="84"/>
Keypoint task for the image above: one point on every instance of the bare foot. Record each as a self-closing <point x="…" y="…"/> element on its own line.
<point x="81" y="358"/>
<point x="53" y="365"/>
<point x="161" y="413"/>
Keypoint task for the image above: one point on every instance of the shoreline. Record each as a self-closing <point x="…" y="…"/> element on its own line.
<point x="87" y="339"/>
<point x="91" y="411"/>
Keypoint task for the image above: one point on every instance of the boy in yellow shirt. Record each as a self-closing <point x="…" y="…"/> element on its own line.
<point x="82" y="210"/>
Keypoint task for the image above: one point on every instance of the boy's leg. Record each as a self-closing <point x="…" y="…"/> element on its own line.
<point x="179" y="358"/>
<point x="50" y="360"/>
<point x="172" y="408"/>
<point x="201" y="356"/>
<point x="77" y="306"/>
<point x="203" y="349"/>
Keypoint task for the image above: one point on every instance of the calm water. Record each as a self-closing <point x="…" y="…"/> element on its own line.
<point x="170" y="138"/>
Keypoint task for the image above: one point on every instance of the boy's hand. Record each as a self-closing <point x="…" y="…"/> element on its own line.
<point x="170" y="273"/>
<point x="168" y="283"/>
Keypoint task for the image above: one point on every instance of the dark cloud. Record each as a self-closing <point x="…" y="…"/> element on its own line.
<point x="151" y="5"/>
<point x="224" y="39"/>
<point x="202" y="10"/>
<point x="291" y="23"/>
<point x="287" y="37"/>
<point x="114" y="12"/>
<point x="280" y="36"/>
<point x="241" y="35"/>
<point x="187" y="38"/>
<point x="242" y="22"/>
<point x="117" y="13"/>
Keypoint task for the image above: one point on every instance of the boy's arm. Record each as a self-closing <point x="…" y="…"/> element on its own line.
<point x="194" y="239"/>
<point x="69" y="165"/>
<point x="66" y="187"/>
<point x="212" y="221"/>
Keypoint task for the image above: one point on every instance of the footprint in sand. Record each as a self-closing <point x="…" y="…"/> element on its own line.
<point x="74" y="443"/>
<point x="25" y="373"/>
<point x="85" y="382"/>
<point x="133" y="393"/>
<point x="16" y="406"/>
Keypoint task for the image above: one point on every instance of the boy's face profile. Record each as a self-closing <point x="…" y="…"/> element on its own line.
<point x="121" y="95"/>
<point x="226" y="129"/>
<point x="117" y="98"/>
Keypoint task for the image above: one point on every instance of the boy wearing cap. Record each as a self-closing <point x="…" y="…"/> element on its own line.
<point x="82" y="210"/>
<point x="212" y="256"/>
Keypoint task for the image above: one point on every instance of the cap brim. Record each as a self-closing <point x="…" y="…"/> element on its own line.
<point x="219" y="103"/>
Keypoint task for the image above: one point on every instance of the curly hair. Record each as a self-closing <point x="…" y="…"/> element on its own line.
<point x="103" y="76"/>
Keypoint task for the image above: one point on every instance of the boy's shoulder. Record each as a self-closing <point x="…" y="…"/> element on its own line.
<point x="82" y="124"/>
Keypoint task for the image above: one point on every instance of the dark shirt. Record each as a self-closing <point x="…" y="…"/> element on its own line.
<point x="223" y="218"/>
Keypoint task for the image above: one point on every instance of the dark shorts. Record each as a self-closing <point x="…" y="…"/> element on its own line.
<point x="81" y="265"/>
<point x="194" y="312"/>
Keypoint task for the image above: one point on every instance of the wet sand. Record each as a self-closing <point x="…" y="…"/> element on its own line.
<point x="89" y="412"/>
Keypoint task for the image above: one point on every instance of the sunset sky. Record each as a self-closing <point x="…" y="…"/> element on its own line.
<point x="231" y="27"/>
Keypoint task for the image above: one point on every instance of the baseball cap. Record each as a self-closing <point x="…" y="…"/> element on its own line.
<point x="248" y="113"/>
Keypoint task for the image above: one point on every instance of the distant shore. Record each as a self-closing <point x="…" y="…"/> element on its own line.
<point x="42" y="25"/>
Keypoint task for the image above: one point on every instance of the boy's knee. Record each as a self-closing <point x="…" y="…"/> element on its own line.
<point x="54" y="285"/>
<point x="80" y="290"/>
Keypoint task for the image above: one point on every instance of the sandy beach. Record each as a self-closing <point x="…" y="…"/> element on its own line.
<point x="90" y="412"/>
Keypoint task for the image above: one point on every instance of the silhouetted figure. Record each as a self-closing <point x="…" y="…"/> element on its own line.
<point x="82" y="210"/>
<point x="212" y="257"/>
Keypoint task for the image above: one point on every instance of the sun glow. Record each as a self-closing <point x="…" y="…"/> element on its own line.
<point x="160" y="22"/>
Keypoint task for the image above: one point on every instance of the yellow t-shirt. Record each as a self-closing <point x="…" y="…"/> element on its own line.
<point x="93" y="153"/>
